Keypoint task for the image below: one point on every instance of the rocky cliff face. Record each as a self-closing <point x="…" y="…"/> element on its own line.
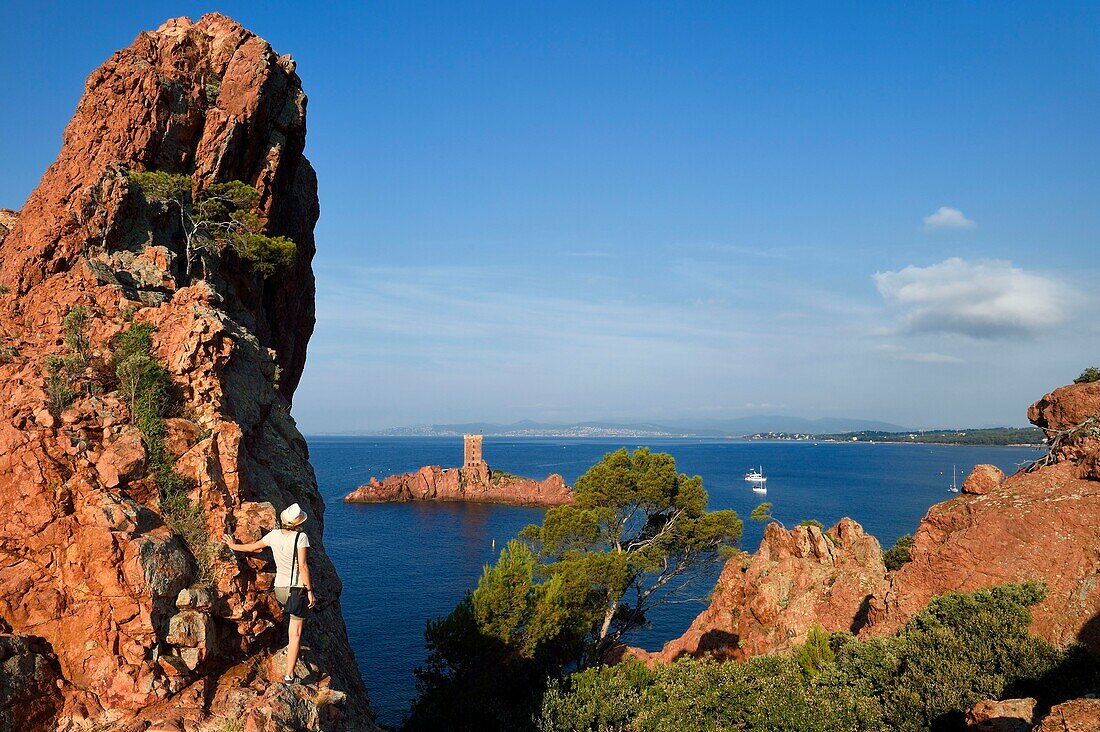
<point x="108" y="615"/>
<point x="477" y="484"/>
<point x="769" y="601"/>
<point x="1037" y="525"/>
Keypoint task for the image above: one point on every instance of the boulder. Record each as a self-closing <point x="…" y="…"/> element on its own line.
<point x="29" y="683"/>
<point x="121" y="459"/>
<point x="1077" y="715"/>
<point x="983" y="479"/>
<point x="1010" y="715"/>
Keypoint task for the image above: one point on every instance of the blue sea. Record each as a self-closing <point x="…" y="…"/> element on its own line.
<point x="403" y="564"/>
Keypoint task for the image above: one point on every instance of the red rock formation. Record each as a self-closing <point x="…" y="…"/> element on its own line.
<point x="1071" y="417"/>
<point x="983" y="479"/>
<point x="94" y="586"/>
<point x="1010" y="715"/>
<point x="1078" y="715"/>
<point x="478" y="484"/>
<point x="769" y="601"/>
<point x="1038" y="525"/>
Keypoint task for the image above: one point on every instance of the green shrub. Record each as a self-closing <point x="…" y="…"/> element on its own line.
<point x="59" y="393"/>
<point x="1089" y="375"/>
<point x="812" y="522"/>
<point x="147" y="387"/>
<point x="75" y="328"/>
<point x="898" y="554"/>
<point x="267" y="254"/>
<point x="219" y="217"/>
<point x="64" y="379"/>
<point x="816" y="652"/>
<point x="962" y="648"/>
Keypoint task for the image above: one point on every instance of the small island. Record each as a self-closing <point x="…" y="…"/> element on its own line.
<point x="475" y="482"/>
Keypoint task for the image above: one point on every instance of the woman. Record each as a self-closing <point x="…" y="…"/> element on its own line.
<point x="289" y="573"/>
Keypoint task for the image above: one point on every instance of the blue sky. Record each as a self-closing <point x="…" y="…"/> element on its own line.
<point x="665" y="211"/>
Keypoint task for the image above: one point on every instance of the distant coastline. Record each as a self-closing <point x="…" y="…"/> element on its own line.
<point x="987" y="436"/>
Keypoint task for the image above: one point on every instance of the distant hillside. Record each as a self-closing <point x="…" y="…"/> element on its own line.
<point x="985" y="436"/>
<point x="674" y="428"/>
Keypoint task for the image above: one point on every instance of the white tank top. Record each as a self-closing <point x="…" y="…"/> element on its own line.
<point x="282" y="546"/>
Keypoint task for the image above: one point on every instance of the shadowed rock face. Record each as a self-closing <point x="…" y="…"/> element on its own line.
<point x="94" y="587"/>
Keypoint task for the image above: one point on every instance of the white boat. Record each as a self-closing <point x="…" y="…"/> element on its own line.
<point x="954" y="481"/>
<point x="759" y="488"/>
<point x="756" y="476"/>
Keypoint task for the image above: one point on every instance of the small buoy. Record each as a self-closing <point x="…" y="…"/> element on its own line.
<point x="494" y="545"/>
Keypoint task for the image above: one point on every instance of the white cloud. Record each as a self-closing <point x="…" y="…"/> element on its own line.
<point x="947" y="218"/>
<point x="982" y="299"/>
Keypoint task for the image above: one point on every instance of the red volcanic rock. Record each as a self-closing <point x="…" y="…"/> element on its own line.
<point x="1038" y="525"/>
<point x="769" y="601"/>
<point x="1035" y="526"/>
<point x="1066" y="407"/>
<point x="983" y="479"/>
<point x="1074" y="409"/>
<point x="1010" y="715"/>
<point x="121" y="459"/>
<point x="476" y="484"/>
<point x="7" y="221"/>
<point x="1078" y="715"/>
<point x="88" y="565"/>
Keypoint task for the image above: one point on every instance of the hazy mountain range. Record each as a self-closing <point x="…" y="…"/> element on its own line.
<point x="673" y="428"/>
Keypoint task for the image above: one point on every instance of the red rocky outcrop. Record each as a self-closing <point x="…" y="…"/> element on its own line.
<point x="477" y="484"/>
<point x="1010" y="715"/>
<point x="1078" y="715"/>
<point x="769" y="601"/>
<point x="95" y="588"/>
<point x="1037" y="525"/>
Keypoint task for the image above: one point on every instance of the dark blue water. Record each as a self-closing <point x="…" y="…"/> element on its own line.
<point x="402" y="564"/>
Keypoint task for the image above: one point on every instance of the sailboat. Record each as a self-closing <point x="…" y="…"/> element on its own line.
<point x="954" y="481"/>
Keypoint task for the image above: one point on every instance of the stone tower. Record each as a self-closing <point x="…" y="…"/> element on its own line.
<point x="472" y="451"/>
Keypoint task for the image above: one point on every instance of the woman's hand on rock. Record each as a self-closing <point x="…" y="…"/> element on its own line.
<point x="229" y="541"/>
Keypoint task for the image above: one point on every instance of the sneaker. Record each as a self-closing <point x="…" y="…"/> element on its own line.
<point x="288" y="680"/>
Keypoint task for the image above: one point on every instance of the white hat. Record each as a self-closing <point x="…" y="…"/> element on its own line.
<point x="292" y="515"/>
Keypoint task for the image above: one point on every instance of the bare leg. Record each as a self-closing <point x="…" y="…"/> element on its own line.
<point x="294" y="633"/>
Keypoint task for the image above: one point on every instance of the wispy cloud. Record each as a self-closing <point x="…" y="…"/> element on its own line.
<point x="983" y="299"/>
<point x="946" y="217"/>
<point x="588" y="254"/>
<point x="901" y="353"/>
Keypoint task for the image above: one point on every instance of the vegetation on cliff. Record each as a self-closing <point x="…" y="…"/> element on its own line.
<point x="219" y="217"/>
<point x="898" y="554"/>
<point x="962" y="648"/>
<point x="568" y="589"/>
<point x="147" y="388"/>
<point x="1089" y="375"/>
